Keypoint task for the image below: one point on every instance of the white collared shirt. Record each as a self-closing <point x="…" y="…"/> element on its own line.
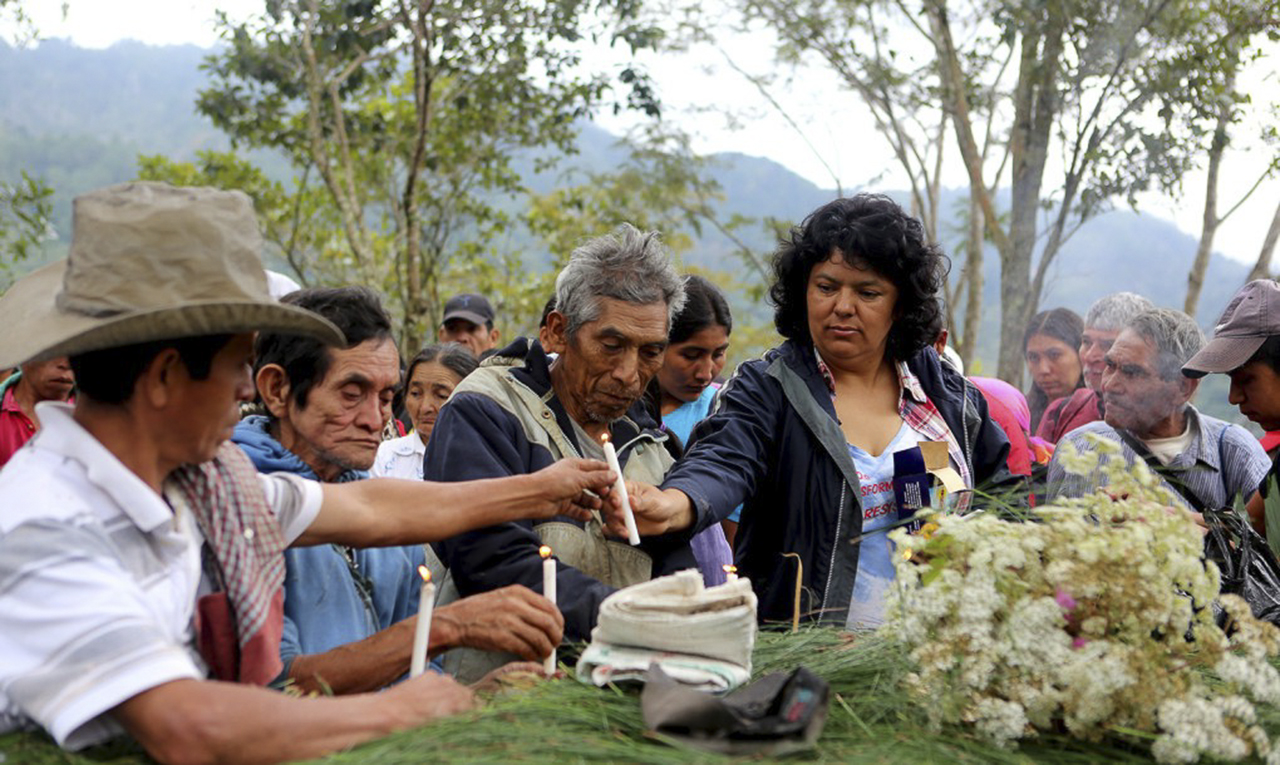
<point x="98" y="581"/>
<point x="400" y="458"/>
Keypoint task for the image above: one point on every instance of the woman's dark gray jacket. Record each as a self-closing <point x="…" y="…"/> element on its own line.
<point x="773" y="444"/>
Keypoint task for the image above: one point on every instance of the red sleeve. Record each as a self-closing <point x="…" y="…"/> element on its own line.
<point x="1019" y="461"/>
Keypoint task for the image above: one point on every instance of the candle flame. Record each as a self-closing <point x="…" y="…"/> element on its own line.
<point x="605" y="437"/>
<point x="425" y="573"/>
<point x="544" y="551"/>
<point x="729" y="568"/>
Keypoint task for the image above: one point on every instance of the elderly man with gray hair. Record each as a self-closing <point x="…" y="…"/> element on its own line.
<point x="1204" y="461"/>
<point x="1102" y="324"/>
<point x="520" y="412"/>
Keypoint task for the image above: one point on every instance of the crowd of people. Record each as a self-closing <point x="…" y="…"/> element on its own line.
<point x="218" y="502"/>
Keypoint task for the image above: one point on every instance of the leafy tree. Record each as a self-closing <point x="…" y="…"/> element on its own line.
<point x="300" y="227"/>
<point x="663" y="186"/>
<point x="408" y="114"/>
<point x="1099" y="82"/>
<point x="25" y="209"/>
<point x="1216" y="109"/>
<point x="1059" y="107"/>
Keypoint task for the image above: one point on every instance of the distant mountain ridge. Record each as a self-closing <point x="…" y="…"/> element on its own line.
<point x="78" y="118"/>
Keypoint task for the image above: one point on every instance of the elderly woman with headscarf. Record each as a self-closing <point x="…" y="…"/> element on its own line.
<point x="806" y="437"/>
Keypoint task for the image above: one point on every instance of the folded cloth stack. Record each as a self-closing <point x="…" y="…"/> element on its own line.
<point x="700" y="636"/>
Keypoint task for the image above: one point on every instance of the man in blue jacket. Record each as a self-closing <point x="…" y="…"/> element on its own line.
<point x="350" y="613"/>
<point x="520" y="412"/>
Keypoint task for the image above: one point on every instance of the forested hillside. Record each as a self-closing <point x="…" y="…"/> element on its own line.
<point x="79" y="118"/>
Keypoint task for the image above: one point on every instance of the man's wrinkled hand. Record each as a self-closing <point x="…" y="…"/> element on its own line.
<point x="518" y="675"/>
<point x="427" y="697"/>
<point x="571" y="487"/>
<point x="514" y="619"/>
<point x="1196" y="518"/>
<point x="656" y="511"/>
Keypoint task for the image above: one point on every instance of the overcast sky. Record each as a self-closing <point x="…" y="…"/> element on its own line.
<point x="832" y="121"/>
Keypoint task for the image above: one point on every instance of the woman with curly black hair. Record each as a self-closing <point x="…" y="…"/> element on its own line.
<point x="808" y="436"/>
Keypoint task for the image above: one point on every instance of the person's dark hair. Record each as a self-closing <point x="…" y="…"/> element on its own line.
<point x="704" y="306"/>
<point x="546" y="311"/>
<point x="1268" y="353"/>
<point x="871" y="230"/>
<point x="454" y="357"/>
<point x="357" y="311"/>
<point x="110" y="375"/>
<point x="1060" y="324"/>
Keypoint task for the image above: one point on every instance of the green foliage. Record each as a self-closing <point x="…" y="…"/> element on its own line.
<point x="662" y="185"/>
<point x="1116" y="92"/>
<point x="300" y="226"/>
<point x="409" y="116"/>
<point x="25" y="209"/>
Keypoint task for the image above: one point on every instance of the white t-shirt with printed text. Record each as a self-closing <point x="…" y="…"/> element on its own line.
<point x="879" y="509"/>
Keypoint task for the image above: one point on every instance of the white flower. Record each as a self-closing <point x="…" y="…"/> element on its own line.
<point x="1001" y="721"/>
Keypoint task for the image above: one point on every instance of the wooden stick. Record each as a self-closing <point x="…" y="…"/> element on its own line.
<point x="795" y="611"/>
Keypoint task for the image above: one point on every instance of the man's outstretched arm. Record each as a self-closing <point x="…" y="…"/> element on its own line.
<point x="197" y="721"/>
<point x="513" y="619"/>
<point x="388" y="511"/>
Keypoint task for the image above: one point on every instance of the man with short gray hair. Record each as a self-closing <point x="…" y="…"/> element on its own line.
<point x="1204" y="461"/>
<point x="520" y="412"/>
<point x="1106" y="317"/>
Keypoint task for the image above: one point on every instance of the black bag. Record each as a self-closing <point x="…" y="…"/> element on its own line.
<point x="1249" y="568"/>
<point x="777" y="714"/>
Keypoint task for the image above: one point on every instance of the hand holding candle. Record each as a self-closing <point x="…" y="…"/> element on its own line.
<point x="426" y="599"/>
<point x="548" y="592"/>
<point x="620" y="488"/>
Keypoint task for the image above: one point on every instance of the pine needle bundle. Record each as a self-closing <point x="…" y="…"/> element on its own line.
<point x="870" y="720"/>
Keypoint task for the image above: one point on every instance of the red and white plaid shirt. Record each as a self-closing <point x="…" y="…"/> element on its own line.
<point x="919" y="413"/>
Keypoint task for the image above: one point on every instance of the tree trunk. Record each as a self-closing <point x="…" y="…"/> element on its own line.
<point x="1209" y="228"/>
<point x="1035" y="107"/>
<point x="1262" y="269"/>
<point x="414" y="303"/>
<point x="974" y="283"/>
<point x="957" y="106"/>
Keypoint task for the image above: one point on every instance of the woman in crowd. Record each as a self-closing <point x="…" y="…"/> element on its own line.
<point x="699" y="340"/>
<point x="431" y="378"/>
<point x="1051" y="346"/>
<point x="805" y="438"/>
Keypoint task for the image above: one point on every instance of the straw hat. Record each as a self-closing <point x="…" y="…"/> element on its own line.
<point x="150" y="261"/>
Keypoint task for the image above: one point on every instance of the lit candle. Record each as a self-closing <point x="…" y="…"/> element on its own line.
<point x="549" y="592"/>
<point x="426" y="599"/>
<point x="620" y="487"/>
<point x="730" y="572"/>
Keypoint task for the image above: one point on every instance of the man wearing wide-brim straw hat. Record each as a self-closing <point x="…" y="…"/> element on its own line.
<point x="124" y="512"/>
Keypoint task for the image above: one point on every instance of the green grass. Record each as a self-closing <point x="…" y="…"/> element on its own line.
<point x="869" y="721"/>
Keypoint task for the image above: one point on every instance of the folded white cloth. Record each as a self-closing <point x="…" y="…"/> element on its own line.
<point x="697" y="634"/>
<point x="604" y="664"/>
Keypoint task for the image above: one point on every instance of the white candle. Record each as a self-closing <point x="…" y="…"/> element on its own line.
<point x="426" y="599"/>
<point x="620" y="488"/>
<point x="730" y="572"/>
<point x="549" y="592"/>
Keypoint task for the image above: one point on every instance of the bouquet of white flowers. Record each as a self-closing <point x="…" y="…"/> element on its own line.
<point x="1092" y="615"/>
